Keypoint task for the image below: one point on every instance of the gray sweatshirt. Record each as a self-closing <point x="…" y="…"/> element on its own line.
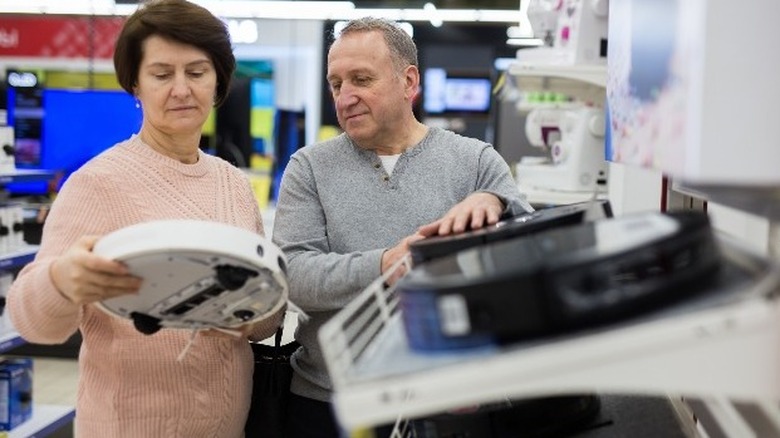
<point x="338" y="211"/>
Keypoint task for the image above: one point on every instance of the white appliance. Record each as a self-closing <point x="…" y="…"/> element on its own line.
<point x="576" y="147"/>
<point x="574" y="31"/>
<point x="196" y="275"/>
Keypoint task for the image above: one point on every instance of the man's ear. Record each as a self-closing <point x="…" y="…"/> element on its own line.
<point x="411" y="82"/>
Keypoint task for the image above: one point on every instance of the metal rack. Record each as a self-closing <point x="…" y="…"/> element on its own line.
<point x="695" y="349"/>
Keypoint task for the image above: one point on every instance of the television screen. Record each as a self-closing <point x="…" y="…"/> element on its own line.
<point x="77" y="125"/>
<point x="444" y="92"/>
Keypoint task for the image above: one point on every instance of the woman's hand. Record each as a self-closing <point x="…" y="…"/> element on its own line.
<point x="83" y="277"/>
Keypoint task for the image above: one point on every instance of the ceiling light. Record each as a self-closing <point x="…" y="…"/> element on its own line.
<point x="273" y="9"/>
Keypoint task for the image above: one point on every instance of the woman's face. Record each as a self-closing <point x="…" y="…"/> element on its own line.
<point x="176" y="86"/>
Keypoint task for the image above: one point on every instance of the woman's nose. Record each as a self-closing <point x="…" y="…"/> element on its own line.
<point x="180" y="86"/>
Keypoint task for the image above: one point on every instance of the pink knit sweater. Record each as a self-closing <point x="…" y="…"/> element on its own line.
<point x="130" y="384"/>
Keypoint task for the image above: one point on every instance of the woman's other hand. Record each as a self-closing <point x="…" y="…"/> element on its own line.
<point x="83" y="277"/>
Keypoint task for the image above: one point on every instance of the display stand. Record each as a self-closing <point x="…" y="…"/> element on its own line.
<point x="26" y="175"/>
<point x="583" y="82"/>
<point x="45" y="419"/>
<point x="696" y="349"/>
<point x="545" y="198"/>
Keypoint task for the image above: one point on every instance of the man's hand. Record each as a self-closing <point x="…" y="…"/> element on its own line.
<point x="396" y="253"/>
<point x="476" y="211"/>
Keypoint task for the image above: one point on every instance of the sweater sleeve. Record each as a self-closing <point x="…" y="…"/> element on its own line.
<point x="319" y="279"/>
<point x="496" y="178"/>
<point x="38" y="311"/>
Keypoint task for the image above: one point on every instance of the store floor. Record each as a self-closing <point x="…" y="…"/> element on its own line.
<point x="54" y="381"/>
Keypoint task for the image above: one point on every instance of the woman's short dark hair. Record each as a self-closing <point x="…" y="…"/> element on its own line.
<point x="180" y="21"/>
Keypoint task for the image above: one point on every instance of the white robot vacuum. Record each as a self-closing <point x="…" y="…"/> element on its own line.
<point x="196" y="275"/>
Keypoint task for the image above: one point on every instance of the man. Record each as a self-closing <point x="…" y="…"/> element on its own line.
<point x="349" y="207"/>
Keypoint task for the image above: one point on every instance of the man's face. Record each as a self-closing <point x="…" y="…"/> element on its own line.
<point x="370" y="93"/>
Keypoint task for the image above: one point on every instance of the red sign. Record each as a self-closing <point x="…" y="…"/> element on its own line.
<point x="51" y="37"/>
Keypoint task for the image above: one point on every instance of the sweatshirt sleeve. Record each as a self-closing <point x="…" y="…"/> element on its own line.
<point x="319" y="279"/>
<point x="495" y="177"/>
<point x="38" y="311"/>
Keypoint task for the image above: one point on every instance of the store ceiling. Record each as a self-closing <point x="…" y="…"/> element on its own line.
<point x="441" y="4"/>
<point x="416" y="4"/>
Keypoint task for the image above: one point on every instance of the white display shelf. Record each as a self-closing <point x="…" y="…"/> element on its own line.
<point x="538" y="196"/>
<point x="9" y="339"/>
<point x="592" y="74"/>
<point x="45" y="420"/>
<point x="18" y="257"/>
<point x="26" y="175"/>
<point x="583" y="83"/>
<point x="725" y="343"/>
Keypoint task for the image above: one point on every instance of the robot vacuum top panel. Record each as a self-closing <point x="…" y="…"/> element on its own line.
<point x="197" y="275"/>
<point x="539" y="220"/>
<point x="558" y="280"/>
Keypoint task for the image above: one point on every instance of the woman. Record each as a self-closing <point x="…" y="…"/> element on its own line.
<point x="175" y="58"/>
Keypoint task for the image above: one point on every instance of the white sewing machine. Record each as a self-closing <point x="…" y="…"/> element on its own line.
<point x="573" y="64"/>
<point x="574" y="31"/>
<point x="575" y="138"/>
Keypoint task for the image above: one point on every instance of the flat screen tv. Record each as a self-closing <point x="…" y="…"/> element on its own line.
<point x="77" y="125"/>
<point x="448" y="93"/>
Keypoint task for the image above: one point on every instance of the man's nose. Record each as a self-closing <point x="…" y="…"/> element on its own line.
<point x="345" y="98"/>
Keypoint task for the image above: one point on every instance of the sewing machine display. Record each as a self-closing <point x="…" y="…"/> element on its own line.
<point x="572" y="64"/>
<point x="575" y="140"/>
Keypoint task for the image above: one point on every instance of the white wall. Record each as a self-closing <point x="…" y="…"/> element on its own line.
<point x="295" y="49"/>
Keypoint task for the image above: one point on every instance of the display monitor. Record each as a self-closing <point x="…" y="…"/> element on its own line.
<point x="77" y="125"/>
<point x="446" y="92"/>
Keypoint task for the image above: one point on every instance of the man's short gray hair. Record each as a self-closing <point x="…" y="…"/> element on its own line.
<point x="402" y="48"/>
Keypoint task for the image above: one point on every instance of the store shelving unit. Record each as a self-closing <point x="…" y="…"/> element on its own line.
<point x="18" y="257"/>
<point x="582" y="82"/>
<point x="696" y="349"/>
<point x="46" y="419"/>
<point x="26" y="175"/>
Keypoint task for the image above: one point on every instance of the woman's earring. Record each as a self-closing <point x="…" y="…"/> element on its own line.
<point x="137" y="103"/>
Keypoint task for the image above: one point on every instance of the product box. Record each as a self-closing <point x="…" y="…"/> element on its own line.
<point x="15" y="392"/>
